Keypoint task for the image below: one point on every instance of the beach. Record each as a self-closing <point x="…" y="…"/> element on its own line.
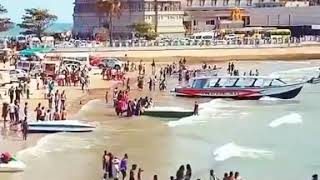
<point x="196" y="55"/>
<point x="226" y="136"/>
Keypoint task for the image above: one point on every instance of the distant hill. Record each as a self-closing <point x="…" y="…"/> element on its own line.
<point x="57" y="27"/>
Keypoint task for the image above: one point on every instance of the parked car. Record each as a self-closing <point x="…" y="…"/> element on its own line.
<point x="113" y="63"/>
<point x="17" y="75"/>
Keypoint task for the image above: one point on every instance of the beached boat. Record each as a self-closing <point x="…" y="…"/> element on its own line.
<point x="240" y="88"/>
<point x="59" y="126"/>
<point x="12" y="166"/>
<point x="167" y="112"/>
<point x="200" y="72"/>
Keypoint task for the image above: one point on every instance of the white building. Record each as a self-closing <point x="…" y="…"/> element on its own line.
<point x="169" y="17"/>
<point x="285" y="16"/>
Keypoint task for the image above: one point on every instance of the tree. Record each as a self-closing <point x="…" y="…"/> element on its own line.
<point x="111" y="8"/>
<point x="37" y="21"/>
<point x="5" y="23"/>
<point x="145" y="30"/>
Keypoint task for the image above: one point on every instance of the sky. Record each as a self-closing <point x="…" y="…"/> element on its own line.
<point x="61" y="8"/>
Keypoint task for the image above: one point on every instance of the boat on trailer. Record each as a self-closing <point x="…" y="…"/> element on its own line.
<point x="240" y="88"/>
<point x="59" y="126"/>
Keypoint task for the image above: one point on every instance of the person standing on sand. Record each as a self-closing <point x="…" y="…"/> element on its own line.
<point x="106" y="96"/>
<point x="28" y="91"/>
<point x="11" y="94"/>
<point x="38" y="112"/>
<point x="153" y="66"/>
<point x="5" y="106"/>
<point x="25" y="129"/>
<point x="124" y="166"/>
<point x="63" y="100"/>
<point x="150" y="84"/>
<point x="25" y="110"/>
<point x="16" y="111"/>
<point x="63" y="114"/>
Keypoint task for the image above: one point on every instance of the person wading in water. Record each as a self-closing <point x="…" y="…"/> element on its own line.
<point x="196" y="109"/>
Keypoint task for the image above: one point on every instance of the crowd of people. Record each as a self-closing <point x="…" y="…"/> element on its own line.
<point x="115" y="169"/>
<point x="123" y="104"/>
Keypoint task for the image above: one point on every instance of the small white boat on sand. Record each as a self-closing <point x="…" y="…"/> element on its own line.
<point x="12" y="166"/>
<point x="60" y="126"/>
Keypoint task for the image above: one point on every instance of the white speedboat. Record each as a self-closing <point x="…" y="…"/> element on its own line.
<point x="60" y="126"/>
<point x="12" y="166"/>
<point x="240" y="88"/>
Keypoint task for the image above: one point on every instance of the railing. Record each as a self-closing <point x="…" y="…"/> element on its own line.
<point x="182" y="43"/>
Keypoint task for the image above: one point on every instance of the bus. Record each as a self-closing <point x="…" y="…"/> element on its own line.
<point x="279" y="34"/>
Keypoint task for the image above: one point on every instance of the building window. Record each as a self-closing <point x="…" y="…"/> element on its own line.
<point x="213" y="2"/>
<point x="249" y="2"/>
<point x="189" y="2"/>
<point x="225" y="2"/>
<point x="202" y="2"/>
<point x="210" y="22"/>
<point x="237" y="2"/>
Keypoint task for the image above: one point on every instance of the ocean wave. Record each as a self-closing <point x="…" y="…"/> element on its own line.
<point x="231" y="150"/>
<point x="267" y="98"/>
<point x="57" y="142"/>
<point x="305" y="73"/>
<point x="292" y="118"/>
<point x="212" y="109"/>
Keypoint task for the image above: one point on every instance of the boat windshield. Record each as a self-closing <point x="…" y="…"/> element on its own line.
<point x="213" y="82"/>
<point x="200" y="83"/>
<point x="230" y="82"/>
<point x="245" y="82"/>
<point x="277" y="82"/>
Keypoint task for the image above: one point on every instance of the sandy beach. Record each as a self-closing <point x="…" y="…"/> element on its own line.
<point x="209" y="54"/>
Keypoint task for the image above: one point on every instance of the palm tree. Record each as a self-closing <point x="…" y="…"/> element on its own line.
<point x="111" y="8"/>
<point x="156" y="16"/>
<point x="5" y="23"/>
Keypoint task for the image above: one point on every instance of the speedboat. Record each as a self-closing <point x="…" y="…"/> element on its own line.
<point x="12" y="166"/>
<point x="240" y="88"/>
<point x="59" y="126"/>
<point x="167" y="112"/>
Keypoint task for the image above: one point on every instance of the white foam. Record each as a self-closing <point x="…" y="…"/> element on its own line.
<point x="302" y="73"/>
<point x="231" y="150"/>
<point x="56" y="142"/>
<point x="212" y="109"/>
<point x="292" y="118"/>
<point x="267" y="98"/>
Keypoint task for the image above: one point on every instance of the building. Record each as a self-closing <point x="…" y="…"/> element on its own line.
<point x="207" y="15"/>
<point x="168" y="17"/>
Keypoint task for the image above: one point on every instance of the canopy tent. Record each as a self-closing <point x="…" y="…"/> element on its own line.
<point x="34" y="51"/>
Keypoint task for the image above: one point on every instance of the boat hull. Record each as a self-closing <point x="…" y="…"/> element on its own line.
<point x="168" y="114"/>
<point x="59" y="126"/>
<point x="12" y="167"/>
<point x="283" y="92"/>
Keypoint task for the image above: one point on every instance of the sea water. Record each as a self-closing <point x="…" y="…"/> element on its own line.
<point x="265" y="139"/>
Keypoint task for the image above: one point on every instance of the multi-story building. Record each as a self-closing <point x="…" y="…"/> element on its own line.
<point x="206" y="15"/>
<point x="167" y="17"/>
